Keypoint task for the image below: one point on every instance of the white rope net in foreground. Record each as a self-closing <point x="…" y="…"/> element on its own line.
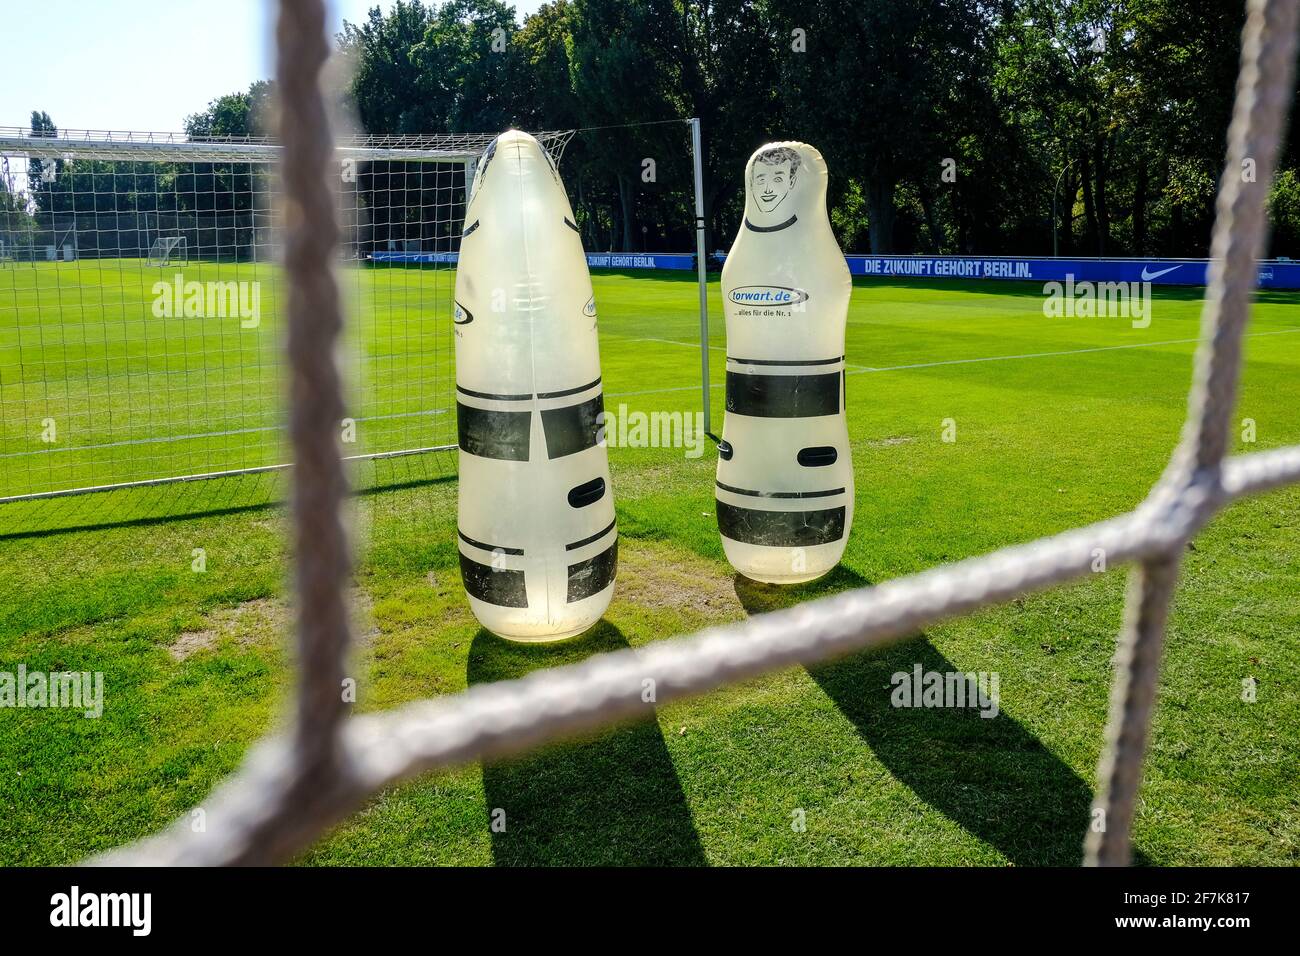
<point x="293" y="788"/>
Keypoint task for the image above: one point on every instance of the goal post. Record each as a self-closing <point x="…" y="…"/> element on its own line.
<point x="122" y="377"/>
<point x="168" y="251"/>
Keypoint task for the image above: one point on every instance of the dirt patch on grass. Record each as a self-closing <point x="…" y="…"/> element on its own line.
<point x="662" y="578"/>
<point x="252" y="622"/>
<point x="262" y="621"/>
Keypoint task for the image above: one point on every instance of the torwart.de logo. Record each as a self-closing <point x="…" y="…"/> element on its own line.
<point x="767" y="295"/>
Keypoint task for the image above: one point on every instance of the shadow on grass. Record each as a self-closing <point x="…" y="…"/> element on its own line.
<point x="611" y="800"/>
<point x="758" y="598"/>
<point x="991" y="776"/>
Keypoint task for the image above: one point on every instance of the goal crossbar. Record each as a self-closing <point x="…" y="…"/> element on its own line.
<point x="177" y="147"/>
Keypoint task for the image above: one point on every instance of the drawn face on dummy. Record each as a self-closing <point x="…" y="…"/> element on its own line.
<point x="772" y="177"/>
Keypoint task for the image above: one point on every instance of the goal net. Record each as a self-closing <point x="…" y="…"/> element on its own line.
<point x="168" y="251"/>
<point x="118" y="374"/>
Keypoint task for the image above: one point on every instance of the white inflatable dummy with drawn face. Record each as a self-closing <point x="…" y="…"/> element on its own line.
<point x="785" y="479"/>
<point x="538" y="546"/>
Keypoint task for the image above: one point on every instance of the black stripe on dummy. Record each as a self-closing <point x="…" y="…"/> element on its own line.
<point x="780" y="529"/>
<point x="496" y="396"/>
<point x="573" y="429"/>
<point x="825" y="493"/>
<point x="569" y="391"/>
<point x="593" y="575"/>
<point x="783" y="396"/>
<point x="590" y="538"/>
<point x="487" y="547"/>
<point x="492" y="434"/>
<point x="502" y="588"/>
<point x="749" y="361"/>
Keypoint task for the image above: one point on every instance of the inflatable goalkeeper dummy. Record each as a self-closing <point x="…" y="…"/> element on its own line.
<point x="538" y="545"/>
<point x="785" y="480"/>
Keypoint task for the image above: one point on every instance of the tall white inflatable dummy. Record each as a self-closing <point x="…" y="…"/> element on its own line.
<point x="785" y="479"/>
<point x="538" y="545"/>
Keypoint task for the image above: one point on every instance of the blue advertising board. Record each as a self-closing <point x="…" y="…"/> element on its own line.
<point x="640" y="260"/>
<point x="595" y="260"/>
<point x="1281" y="274"/>
<point x="1273" y="274"/>
<point x="451" y="258"/>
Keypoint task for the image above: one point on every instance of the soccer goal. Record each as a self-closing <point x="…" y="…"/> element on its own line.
<point x="168" y="251"/>
<point x="118" y="374"/>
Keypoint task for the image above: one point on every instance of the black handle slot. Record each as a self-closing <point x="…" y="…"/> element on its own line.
<point x="587" y="493"/>
<point x="818" y="456"/>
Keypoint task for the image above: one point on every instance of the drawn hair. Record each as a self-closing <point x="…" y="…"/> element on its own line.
<point x="778" y="155"/>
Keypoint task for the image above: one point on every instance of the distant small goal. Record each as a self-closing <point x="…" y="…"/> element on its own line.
<point x="168" y="251"/>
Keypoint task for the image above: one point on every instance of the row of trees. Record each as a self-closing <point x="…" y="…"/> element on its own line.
<point x="949" y="126"/>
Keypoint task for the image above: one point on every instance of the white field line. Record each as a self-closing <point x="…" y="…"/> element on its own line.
<point x="1030" y="355"/>
<point x="689" y="345"/>
<point x="862" y="370"/>
<point x="713" y="348"/>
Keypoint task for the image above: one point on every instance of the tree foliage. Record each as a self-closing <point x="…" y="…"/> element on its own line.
<point x="949" y="126"/>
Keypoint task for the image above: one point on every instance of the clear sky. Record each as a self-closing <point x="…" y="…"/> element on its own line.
<point x="140" y="64"/>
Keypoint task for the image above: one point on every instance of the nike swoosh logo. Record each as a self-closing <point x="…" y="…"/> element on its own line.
<point x="469" y="316"/>
<point x="1148" y="276"/>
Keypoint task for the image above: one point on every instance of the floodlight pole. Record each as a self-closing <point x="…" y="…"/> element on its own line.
<point x="701" y="267"/>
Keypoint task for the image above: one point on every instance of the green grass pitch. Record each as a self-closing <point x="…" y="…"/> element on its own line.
<point x="1058" y="422"/>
